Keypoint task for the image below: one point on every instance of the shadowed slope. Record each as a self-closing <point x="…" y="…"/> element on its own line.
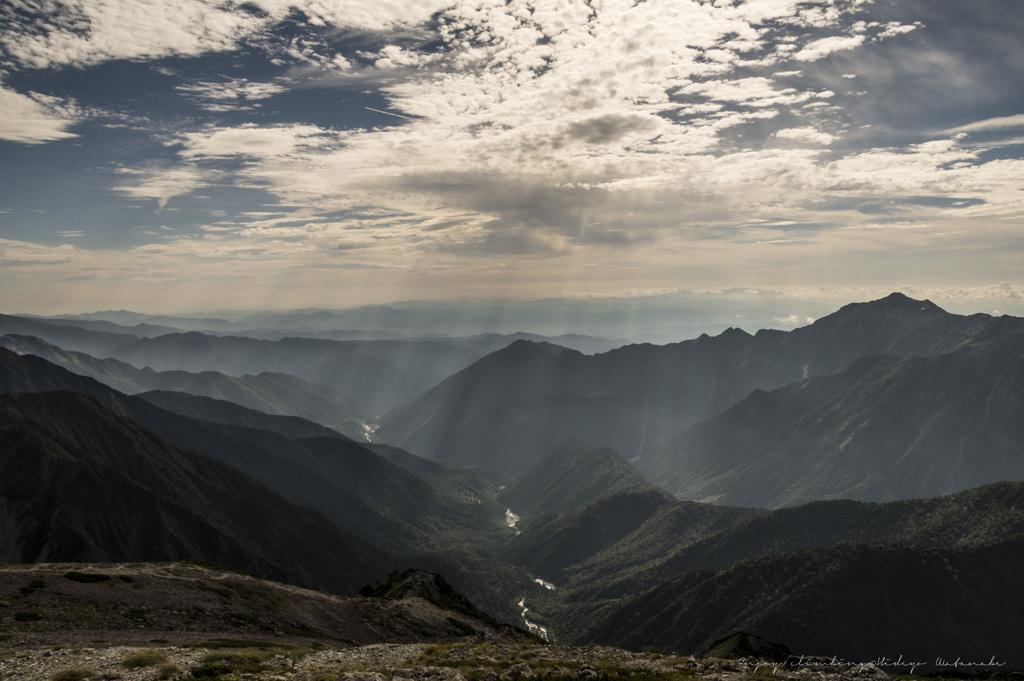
<point x="82" y="483"/>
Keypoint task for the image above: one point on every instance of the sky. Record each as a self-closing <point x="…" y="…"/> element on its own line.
<point x="183" y="155"/>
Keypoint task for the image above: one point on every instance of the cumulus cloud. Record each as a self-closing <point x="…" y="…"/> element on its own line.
<point x="805" y="135"/>
<point x="232" y="94"/>
<point x="793" y="321"/>
<point x="34" y="118"/>
<point x="84" y="32"/>
<point x="553" y="125"/>
<point x="698" y="132"/>
<point x="819" y="49"/>
<point x="162" y="184"/>
<point x="253" y="141"/>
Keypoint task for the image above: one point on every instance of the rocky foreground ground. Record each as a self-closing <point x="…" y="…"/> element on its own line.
<point x="142" y="622"/>
<point x="463" y="661"/>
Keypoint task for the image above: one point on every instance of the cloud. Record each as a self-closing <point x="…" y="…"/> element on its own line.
<point x="550" y="126"/>
<point x="250" y="140"/>
<point x="819" y="49"/>
<point x="35" y="118"/>
<point x="84" y="32"/>
<point x="608" y="128"/>
<point x="805" y="135"/>
<point x="234" y="94"/>
<point x="793" y="321"/>
<point x="162" y="184"/>
<point x="1000" y="123"/>
<point x="544" y="127"/>
<point x="21" y="254"/>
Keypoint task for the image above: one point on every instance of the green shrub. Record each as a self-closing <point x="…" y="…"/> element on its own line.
<point x="144" y="658"/>
<point x="37" y="584"/>
<point x="217" y="664"/>
<point x="27" y="617"/>
<point x="72" y="675"/>
<point x="167" y="671"/>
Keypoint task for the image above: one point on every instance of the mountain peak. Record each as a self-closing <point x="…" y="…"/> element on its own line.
<point x="897" y="299"/>
<point x="420" y="583"/>
<point x="522" y="344"/>
<point x="895" y="306"/>
<point x="570" y="475"/>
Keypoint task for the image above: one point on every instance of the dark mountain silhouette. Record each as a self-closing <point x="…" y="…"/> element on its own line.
<point x="886" y="428"/>
<point x="232" y="414"/>
<point x="82" y="483"/>
<point x="510" y="407"/>
<point x="474" y="405"/>
<point x="857" y="602"/>
<point x="569" y="476"/>
<point x="379" y="501"/>
<point x="272" y="393"/>
<point x="689" y="536"/>
<point x="687" y="550"/>
<point x="615" y="536"/>
<point x="553" y="543"/>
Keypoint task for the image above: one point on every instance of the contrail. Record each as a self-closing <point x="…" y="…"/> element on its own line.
<point x="388" y="113"/>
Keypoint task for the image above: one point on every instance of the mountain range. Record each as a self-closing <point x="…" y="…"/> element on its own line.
<point x="809" y="486"/>
<point x="271" y="393"/>
<point x="509" y="408"/>
<point x="885" y="428"/>
<point x="330" y="473"/>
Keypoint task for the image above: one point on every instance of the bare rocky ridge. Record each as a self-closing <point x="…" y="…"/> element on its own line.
<point x="182" y="603"/>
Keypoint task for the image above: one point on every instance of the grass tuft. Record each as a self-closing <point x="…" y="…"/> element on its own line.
<point x="144" y="658"/>
<point x="167" y="671"/>
<point x="72" y="675"/>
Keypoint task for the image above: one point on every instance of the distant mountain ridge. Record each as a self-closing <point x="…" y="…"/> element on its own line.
<point x="886" y="428"/>
<point x="271" y="393"/>
<point x="69" y="337"/>
<point x="510" y="407"/>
